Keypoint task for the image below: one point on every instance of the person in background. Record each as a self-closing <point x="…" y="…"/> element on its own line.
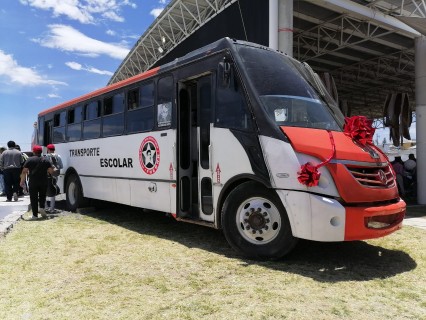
<point x="37" y="168"/>
<point x="410" y="168"/>
<point x="2" y="188"/>
<point x="398" y="167"/>
<point x="56" y="161"/>
<point x="24" y="158"/>
<point x="10" y="163"/>
<point x="411" y="164"/>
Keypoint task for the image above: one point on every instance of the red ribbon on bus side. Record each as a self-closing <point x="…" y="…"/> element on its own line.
<point x="309" y="174"/>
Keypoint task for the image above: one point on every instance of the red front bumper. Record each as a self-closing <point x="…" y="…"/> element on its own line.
<point x="373" y="222"/>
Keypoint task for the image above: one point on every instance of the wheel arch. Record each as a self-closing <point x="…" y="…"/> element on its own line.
<point x="230" y="185"/>
<point x="70" y="172"/>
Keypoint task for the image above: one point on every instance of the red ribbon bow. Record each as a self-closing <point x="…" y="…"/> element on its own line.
<point x="309" y="174"/>
<point x="359" y="128"/>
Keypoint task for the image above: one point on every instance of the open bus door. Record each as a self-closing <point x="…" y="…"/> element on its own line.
<point x="48" y="132"/>
<point x="194" y="152"/>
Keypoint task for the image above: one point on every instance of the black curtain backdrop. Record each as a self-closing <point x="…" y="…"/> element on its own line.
<point x="229" y="23"/>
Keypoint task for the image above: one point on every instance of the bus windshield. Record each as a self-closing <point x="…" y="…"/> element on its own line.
<point x="296" y="111"/>
<point x="287" y="92"/>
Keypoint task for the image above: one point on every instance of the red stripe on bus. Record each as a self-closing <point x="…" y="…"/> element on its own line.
<point x="98" y="92"/>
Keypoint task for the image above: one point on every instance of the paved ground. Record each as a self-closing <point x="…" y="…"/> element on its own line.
<point x="11" y="212"/>
<point x="7" y="208"/>
<point x="416" y="216"/>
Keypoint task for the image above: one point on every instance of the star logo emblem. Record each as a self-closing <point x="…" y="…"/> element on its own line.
<point x="149" y="155"/>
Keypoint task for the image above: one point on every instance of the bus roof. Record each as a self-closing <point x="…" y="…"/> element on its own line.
<point x="103" y="90"/>
<point x="206" y="50"/>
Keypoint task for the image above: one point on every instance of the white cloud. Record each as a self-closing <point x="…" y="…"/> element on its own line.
<point x="66" y="38"/>
<point x="111" y="32"/>
<point x="73" y="9"/>
<point x="111" y="15"/>
<point x="103" y="72"/>
<point x="53" y="95"/>
<point x="76" y="66"/>
<point x="11" y="70"/>
<point x="130" y="4"/>
<point x="156" y="12"/>
<point x="84" y="11"/>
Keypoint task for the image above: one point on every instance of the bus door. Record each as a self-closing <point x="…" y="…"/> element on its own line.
<point x="195" y="195"/>
<point x="48" y="132"/>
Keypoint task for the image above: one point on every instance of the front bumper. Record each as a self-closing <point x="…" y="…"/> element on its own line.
<point x="373" y="222"/>
<point x="319" y="218"/>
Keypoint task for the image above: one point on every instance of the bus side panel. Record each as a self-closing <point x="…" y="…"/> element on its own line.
<point x="122" y="191"/>
<point x="150" y="195"/>
<point x="283" y="164"/>
<point x="314" y="217"/>
<point x="229" y="159"/>
<point x="311" y="217"/>
<point x="117" y="169"/>
<point x="108" y="189"/>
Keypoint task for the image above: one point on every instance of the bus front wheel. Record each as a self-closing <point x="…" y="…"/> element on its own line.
<point x="74" y="193"/>
<point x="255" y="222"/>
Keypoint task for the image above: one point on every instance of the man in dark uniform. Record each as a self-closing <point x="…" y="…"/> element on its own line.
<point x="37" y="168"/>
<point x="10" y="163"/>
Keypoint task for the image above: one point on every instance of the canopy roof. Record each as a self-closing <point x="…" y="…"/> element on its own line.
<point x="366" y="45"/>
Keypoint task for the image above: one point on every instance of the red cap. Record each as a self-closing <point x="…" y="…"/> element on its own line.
<point x="37" y="149"/>
<point x="51" y="146"/>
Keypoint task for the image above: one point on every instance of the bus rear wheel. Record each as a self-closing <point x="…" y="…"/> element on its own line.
<point x="256" y="224"/>
<point x="74" y="193"/>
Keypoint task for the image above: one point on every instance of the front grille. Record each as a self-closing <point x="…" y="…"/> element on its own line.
<point x="379" y="177"/>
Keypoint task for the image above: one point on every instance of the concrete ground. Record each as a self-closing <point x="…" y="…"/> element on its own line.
<point x="11" y="212"/>
<point x="416" y="216"/>
<point x="7" y="208"/>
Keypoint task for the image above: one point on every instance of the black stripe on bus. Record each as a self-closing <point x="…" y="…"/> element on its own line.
<point x="123" y="178"/>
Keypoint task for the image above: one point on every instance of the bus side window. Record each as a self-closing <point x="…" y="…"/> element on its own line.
<point x="147" y="95"/>
<point x="74" y="124"/>
<point x="92" y="120"/>
<point x="42" y="140"/>
<point x="92" y="110"/>
<point x="113" y="118"/>
<point x="141" y="117"/>
<point x="133" y="99"/>
<point x="164" y="102"/>
<point x="59" y="127"/>
<point x="231" y="108"/>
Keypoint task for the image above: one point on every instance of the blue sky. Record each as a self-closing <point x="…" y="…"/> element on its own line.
<point x="54" y="50"/>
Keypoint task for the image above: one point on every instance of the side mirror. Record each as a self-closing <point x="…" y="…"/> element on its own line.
<point x="225" y="72"/>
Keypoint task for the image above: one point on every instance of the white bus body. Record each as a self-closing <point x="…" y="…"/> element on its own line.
<point x="217" y="138"/>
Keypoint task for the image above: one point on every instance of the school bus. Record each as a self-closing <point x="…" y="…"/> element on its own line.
<point x="217" y="138"/>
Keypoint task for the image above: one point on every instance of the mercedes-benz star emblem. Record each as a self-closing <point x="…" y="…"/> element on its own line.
<point x="382" y="177"/>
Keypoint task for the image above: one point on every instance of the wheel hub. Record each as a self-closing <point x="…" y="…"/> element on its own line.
<point x="259" y="219"/>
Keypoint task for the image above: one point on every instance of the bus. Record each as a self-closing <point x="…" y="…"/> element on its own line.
<point x="217" y="138"/>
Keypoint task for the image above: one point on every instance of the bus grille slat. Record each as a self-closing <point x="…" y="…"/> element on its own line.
<point x="378" y="177"/>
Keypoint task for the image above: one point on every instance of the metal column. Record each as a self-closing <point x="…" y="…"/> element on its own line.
<point x="273" y="24"/>
<point x="420" y="76"/>
<point x="285" y="27"/>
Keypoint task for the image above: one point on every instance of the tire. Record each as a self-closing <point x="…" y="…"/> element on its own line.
<point x="74" y="193"/>
<point x="256" y="224"/>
